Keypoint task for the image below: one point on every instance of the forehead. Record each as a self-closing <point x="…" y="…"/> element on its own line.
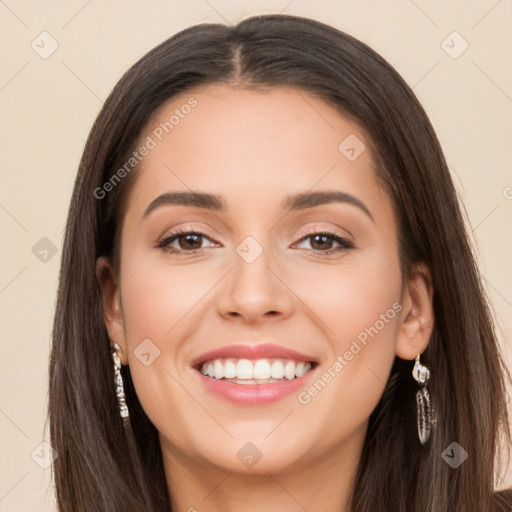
<point x="252" y="146"/>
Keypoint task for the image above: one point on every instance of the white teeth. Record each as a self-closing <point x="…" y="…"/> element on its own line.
<point x="244" y="369"/>
<point x="255" y="372"/>
<point x="217" y="368"/>
<point x="229" y="369"/>
<point x="277" y="371"/>
<point x="262" y="369"/>
<point x="289" y="370"/>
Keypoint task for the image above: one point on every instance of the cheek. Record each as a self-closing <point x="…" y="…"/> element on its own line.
<point x="159" y="299"/>
<point x="161" y="306"/>
<point x="359" y="310"/>
<point x="351" y="297"/>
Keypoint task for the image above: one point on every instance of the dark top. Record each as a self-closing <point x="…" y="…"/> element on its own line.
<point x="503" y="500"/>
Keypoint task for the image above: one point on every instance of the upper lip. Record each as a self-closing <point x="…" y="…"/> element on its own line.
<point x="251" y="351"/>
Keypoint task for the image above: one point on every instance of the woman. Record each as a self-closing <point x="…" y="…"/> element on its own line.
<point x="267" y="294"/>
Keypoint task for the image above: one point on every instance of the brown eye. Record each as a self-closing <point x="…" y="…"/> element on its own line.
<point x="183" y="242"/>
<point x="322" y="242"/>
<point x="190" y="241"/>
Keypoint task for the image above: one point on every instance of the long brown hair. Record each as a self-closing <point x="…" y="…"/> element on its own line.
<point x="95" y="468"/>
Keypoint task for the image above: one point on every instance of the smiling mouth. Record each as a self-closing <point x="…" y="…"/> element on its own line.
<point x="257" y="371"/>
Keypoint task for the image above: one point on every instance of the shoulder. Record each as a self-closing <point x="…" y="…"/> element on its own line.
<point x="503" y="500"/>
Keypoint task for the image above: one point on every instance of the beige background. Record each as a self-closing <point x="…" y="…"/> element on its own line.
<point x="48" y="106"/>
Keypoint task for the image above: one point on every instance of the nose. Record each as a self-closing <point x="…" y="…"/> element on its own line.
<point x="255" y="291"/>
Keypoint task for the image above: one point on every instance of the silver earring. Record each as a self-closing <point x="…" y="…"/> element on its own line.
<point x="421" y="375"/>
<point x="118" y="379"/>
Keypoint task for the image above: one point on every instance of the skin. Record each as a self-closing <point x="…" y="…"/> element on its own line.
<point x="255" y="148"/>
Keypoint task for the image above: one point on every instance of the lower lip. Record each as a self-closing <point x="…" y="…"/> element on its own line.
<point x="253" y="394"/>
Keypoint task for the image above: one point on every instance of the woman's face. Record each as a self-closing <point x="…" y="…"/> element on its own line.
<point x="274" y="168"/>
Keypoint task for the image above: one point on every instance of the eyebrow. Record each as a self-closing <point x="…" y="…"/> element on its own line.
<point x="214" y="202"/>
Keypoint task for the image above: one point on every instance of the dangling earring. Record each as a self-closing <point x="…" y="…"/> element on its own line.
<point x="118" y="379"/>
<point x="421" y="375"/>
<point x="123" y="411"/>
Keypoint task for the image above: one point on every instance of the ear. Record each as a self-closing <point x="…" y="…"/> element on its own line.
<point x="111" y="305"/>
<point x="417" y="315"/>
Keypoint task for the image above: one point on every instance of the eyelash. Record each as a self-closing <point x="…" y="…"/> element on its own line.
<point x="345" y="244"/>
